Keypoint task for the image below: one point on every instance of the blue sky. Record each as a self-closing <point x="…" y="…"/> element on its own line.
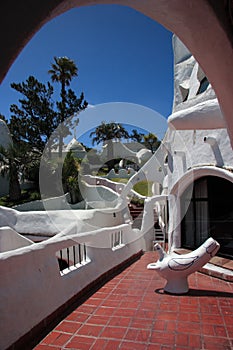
<point x="122" y="56"/>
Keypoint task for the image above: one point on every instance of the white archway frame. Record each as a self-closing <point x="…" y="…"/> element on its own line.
<point x="177" y="191"/>
<point x="194" y="22"/>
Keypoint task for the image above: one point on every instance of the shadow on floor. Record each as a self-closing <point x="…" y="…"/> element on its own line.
<point x="199" y="293"/>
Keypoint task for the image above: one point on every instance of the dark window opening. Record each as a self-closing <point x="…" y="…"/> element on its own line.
<point x="204" y="83"/>
<point x="207" y="210"/>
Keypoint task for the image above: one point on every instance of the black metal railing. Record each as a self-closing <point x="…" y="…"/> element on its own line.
<point x="73" y="256"/>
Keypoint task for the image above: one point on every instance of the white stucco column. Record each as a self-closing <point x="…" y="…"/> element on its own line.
<point x="174" y="232"/>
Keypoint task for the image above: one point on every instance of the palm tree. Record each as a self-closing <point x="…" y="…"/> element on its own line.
<point x="105" y="133"/>
<point x="62" y="71"/>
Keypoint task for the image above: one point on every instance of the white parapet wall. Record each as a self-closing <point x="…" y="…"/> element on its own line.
<point x="32" y="286"/>
<point x="54" y="221"/>
<point x="11" y="240"/>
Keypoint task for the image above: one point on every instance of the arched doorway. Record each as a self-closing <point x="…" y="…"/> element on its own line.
<point x="207" y="211"/>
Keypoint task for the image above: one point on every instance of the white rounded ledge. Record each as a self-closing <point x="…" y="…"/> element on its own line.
<point x="203" y="116"/>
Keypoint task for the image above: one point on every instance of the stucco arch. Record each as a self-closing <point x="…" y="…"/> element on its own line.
<point x="196" y="173"/>
<point x="202" y="25"/>
<point x="177" y="191"/>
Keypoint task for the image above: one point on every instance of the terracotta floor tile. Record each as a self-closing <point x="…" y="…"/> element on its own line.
<point x="80" y="343"/>
<point x="182" y="339"/>
<point x="87" y="309"/>
<point x="220" y="344"/>
<point x="138" y="335"/>
<point x="94" y="301"/>
<point x="132" y="346"/>
<point x="189" y="327"/>
<point x="220" y="331"/>
<point x="114" y="297"/>
<point x="167" y="315"/>
<point x="163" y="338"/>
<point x="212" y="319"/>
<point x="119" y="321"/>
<point x="78" y="317"/>
<point x="111" y="303"/>
<point x="207" y="329"/>
<point x="153" y="347"/>
<point x="129" y="304"/>
<point x="46" y="347"/>
<point x="106" y="344"/>
<point x="57" y="338"/>
<point x="229" y="329"/>
<point x="90" y="330"/>
<point x="170" y="325"/>
<point x="105" y="311"/>
<point x="98" y="320"/>
<point x="124" y="312"/>
<point x="114" y="332"/>
<point x="159" y="325"/>
<point x="68" y="326"/>
<point x="188" y="317"/>
<point x="132" y="312"/>
<point x="195" y="341"/>
<point x="142" y="323"/>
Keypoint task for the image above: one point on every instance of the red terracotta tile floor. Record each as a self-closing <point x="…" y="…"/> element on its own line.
<point x="131" y="312"/>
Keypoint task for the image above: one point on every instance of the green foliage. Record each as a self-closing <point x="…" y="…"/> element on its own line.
<point x="26" y="196"/>
<point x="70" y="170"/>
<point x="144" y="188"/>
<point x="137" y="201"/>
<point x="136" y="136"/>
<point x="36" y="121"/>
<point x="106" y="132"/>
<point x="15" y="160"/>
<point x="151" y="141"/>
<point x="121" y="180"/>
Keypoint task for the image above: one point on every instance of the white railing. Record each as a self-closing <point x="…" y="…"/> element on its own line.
<point x="100" y="181"/>
<point x="117" y="240"/>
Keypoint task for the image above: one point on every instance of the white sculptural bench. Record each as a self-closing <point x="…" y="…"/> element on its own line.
<point x="176" y="268"/>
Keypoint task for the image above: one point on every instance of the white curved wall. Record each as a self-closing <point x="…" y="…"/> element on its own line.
<point x="42" y="288"/>
<point x="10" y="240"/>
<point x="54" y="221"/>
<point x="189" y="150"/>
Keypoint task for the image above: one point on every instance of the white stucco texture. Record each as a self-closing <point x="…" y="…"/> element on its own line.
<point x="10" y="240"/>
<point x="204" y="115"/>
<point x="54" y="221"/>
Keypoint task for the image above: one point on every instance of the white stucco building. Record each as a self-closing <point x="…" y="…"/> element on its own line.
<point x="74" y="146"/>
<point x="194" y="165"/>
<point x="192" y="172"/>
<point x="200" y="159"/>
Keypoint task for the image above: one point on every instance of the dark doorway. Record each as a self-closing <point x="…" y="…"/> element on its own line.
<point x="207" y="211"/>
